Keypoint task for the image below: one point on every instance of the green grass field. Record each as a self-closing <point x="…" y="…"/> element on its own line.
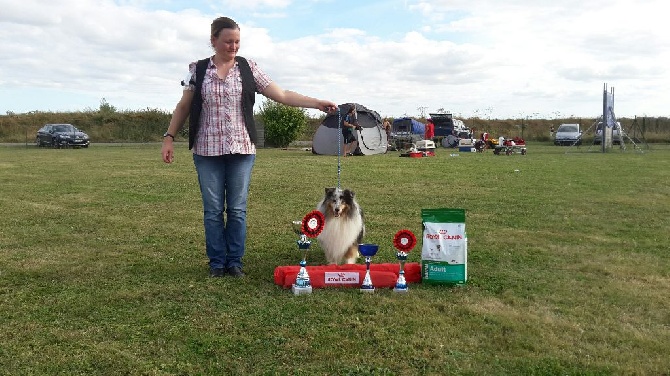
<point x="103" y="271"/>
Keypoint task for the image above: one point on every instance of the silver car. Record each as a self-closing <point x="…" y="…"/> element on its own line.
<point x="568" y="134"/>
<point x="616" y="134"/>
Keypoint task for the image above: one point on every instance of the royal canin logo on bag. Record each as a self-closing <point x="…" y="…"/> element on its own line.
<point x="442" y="234"/>
<point x="342" y="278"/>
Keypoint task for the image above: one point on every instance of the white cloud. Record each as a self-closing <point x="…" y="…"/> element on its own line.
<point x="507" y="57"/>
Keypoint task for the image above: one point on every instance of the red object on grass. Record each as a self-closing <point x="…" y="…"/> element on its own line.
<point x="348" y="275"/>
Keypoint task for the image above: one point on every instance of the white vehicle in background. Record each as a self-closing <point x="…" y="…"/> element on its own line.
<point x="568" y="134"/>
<point x="616" y="134"/>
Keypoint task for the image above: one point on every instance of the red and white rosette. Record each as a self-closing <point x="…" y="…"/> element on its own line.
<point x="312" y="224"/>
<point x="404" y="241"/>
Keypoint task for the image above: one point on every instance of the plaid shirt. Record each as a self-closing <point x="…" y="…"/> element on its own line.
<point x="222" y="129"/>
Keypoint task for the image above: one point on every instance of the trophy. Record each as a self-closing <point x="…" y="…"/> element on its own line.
<point x="310" y="226"/>
<point x="368" y="250"/>
<point x="403" y="241"/>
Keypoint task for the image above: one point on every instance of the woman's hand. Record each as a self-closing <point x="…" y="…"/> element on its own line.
<point x="167" y="151"/>
<point x="327" y="107"/>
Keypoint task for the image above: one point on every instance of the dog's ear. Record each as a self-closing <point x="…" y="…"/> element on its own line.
<point x="329" y="191"/>
<point x="349" y="192"/>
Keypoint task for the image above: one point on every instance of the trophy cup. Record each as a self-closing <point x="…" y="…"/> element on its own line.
<point x="367" y="250"/>
<point x="310" y="226"/>
<point x="302" y="284"/>
<point x="403" y="241"/>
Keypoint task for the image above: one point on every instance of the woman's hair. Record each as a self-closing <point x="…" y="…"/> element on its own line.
<point x="223" y="23"/>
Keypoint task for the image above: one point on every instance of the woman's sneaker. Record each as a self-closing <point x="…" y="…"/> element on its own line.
<point x="235" y="272"/>
<point x="217" y="272"/>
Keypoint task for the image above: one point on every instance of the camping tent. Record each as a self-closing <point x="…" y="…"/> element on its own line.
<point x="371" y="139"/>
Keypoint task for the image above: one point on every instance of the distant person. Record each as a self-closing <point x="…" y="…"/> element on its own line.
<point x="429" y="133"/>
<point x="387" y="128"/>
<point x="349" y="124"/>
<point x="551" y="132"/>
<point x="218" y="95"/>
<point x="485" y="139"/>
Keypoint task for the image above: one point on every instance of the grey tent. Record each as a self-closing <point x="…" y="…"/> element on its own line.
<point x="371" y="139"/>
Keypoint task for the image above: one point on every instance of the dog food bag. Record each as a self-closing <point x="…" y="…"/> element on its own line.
<point x="444" y="252"/>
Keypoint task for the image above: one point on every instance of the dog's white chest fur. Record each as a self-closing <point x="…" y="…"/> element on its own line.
<point x="344" y="227"/>
<point x="339" y="233"/>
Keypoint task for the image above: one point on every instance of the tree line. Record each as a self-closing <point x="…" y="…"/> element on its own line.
<point x="284" y="125"/>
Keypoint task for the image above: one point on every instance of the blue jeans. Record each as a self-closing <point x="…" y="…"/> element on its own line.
<point x="224" y="184"/>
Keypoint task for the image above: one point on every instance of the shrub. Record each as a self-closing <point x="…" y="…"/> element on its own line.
<point x="283" y="124"/>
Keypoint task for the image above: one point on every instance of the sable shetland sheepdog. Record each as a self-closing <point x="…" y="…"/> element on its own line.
<point x="344" y="228"/>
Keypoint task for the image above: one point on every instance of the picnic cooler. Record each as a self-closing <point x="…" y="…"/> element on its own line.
<point x="444" y="252"/>
<point x="466" y="145"/>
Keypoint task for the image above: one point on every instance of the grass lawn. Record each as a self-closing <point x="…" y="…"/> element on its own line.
<point x="103" y="271"/>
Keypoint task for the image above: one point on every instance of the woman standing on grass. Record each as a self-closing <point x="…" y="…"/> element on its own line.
<point x="219" y="97"/>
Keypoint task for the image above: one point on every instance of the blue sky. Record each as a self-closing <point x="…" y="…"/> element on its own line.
<point x="489" y="58"/>
<point x="299" y="18"/>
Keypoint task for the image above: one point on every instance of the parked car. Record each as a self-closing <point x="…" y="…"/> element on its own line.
<point x="616" y="133"/>
<point x="568" y="134"/>
<point x="61" y="135"/>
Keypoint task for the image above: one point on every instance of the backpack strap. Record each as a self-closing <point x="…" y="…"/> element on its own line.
<point x="200" y="69"/>
<point x="248" y="82"/>
<point x="248" y="96"/>
<point x="196" y="103"/>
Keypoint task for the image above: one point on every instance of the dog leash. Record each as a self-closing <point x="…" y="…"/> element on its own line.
<point x="339" y="145"/>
